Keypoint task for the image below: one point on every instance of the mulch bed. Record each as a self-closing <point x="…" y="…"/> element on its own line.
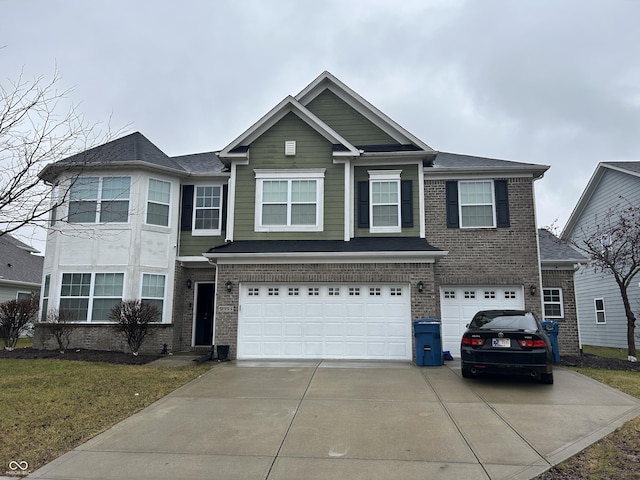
<point x="122" y="358"/>
<point x="594" y="361"/>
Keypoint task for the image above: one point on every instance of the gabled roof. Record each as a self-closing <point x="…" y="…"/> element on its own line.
<point x="133" y="149"/>
<point x="629" y="168"/>
<point x="554" y="251"/>
<point x="455" y="163"/>
<point x="328" y="81"/>
<point x="18" y="264"/>
<point x="238" y="146"/>
<point x="206" y="163"/>
<point x="297" y="105"/>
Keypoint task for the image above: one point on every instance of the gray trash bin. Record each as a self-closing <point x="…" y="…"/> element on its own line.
<point x="428" y="342"/>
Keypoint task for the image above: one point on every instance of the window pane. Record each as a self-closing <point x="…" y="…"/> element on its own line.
<point x="84" y="188"/>
<point x="158" y="304"/>
<point x="552" y="310"/>
<point x="47" y="283"/>
<point x="475" y="193"/>
<point x="102" y="308"/>
<point x="303" y="191"/>
<point x="274" y="215"/>
<point x="159" y="191"/>
<point x="75" y="285"/>
<point x="303" y="214"/>
<point x="158" y="214"/>
<point x="152" y="286"/>
<point x="112" y="211"/>
<point x="207" y="219"/>
<point x="385" y="215"/>
<point x="275" y="190"/>
<point x="108" y="285"/>
<point x="116" y="188"/>
<point x="477" y="216"/>
<point x="82" y="212"/>
<point x="599" y="304"/>
<point x="384" y="192"/>
<point x="76" y="308"/>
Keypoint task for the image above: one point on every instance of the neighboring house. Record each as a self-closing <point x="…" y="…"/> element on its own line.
<point x="559" y="262"/>
<point x="601" y="314"/>
<point x="20" y="269"/>
<point x="322" y="231"/>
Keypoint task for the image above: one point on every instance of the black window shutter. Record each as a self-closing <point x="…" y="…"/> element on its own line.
<point x="363" y="204"/>
<point x="502" y="203"/>
<point x="187" y="207"/>
<point x="406" y="205"/>
<point x="452" y="204"/>
<point x="225" y="194"/>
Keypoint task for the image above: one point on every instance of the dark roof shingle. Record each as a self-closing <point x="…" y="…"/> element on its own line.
<point x="18" y="264"/>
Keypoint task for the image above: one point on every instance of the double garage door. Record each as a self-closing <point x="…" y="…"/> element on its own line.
<point x="460" y="304"/>
<point x="341" y="321"/>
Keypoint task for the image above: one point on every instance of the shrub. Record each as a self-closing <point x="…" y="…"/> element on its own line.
<point x="133" y="318"/>
<point x="15" y="318"/>
<point x="58" y="322"/>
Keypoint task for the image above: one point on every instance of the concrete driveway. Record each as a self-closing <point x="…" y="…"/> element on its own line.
<point x="351" y="420"/>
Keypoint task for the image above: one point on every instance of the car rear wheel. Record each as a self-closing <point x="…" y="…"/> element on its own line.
<point x="466" y="373"/>
<point x="547" y="378"/>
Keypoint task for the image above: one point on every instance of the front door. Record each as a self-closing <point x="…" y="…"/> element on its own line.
<point x="203" y="328"/>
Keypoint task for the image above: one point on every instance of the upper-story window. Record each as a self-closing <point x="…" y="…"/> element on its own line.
<point x="477" y="203"/>
<point x="99" y="199"/>
<point x="207" y="210"/>
<point x="477" y="207"/>
<point x="289" y="200"/>
<point x="159" y="200"/>
<point x="384" y="201"/>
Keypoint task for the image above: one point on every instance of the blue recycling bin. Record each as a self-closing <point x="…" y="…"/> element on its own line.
<point x="428" y="342"/>
<point x="552" y="329"/>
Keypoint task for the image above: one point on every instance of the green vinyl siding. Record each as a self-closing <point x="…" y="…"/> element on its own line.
<point x="196" y="245"/>
<point x="409" y="172"/>
<point x="349" y="123"/>
<point x="267" y="152"/>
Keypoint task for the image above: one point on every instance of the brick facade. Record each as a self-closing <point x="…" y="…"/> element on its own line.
<point x="487" y="256"/>
<point x="568" y="339"/>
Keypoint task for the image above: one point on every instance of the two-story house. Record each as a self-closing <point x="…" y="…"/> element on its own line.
<point x="321" y="231"/>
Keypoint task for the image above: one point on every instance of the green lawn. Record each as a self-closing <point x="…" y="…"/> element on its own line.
<point x="606" y="351"/>
<point x="49" y="407"/>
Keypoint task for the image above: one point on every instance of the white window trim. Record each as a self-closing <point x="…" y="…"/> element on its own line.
<point x="604" y="311"/>
<point x="206" y="232"/>
<point x="385" y="176"/>
<point x="99" y="200"/>
<point x="91" y="296"/>
<point x="553" y="303"/>
<point x="493" y="202"/>
<point x="164" y="297"/>
<point x="316" y="174"/>
<point x="146" y="213"/>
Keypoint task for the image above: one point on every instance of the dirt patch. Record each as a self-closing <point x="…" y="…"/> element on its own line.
<point x="594" y="361"/>
<point x="122" y="358"/>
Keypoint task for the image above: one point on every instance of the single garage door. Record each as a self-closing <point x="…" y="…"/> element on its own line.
<point x="340" y="321"/>
<point x="459" y="305"/>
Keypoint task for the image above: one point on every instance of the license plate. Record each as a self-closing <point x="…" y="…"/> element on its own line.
<point x="501" y="342"/>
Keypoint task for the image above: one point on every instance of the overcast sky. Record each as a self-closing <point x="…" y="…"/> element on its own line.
<point x="555" y="82"/>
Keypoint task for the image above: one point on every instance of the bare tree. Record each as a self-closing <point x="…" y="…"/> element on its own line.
<point x="60" y="328"/>
<point x="613" y="247"/>
<point x="134" y="317"/>
<point x="15" y="317"/>
<point x="38" y="126"/>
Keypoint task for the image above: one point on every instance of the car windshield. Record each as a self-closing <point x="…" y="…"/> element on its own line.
<point x="504" y="321"/>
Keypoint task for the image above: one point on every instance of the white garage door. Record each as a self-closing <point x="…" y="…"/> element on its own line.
<point x="459" y="305"/>
<point x="325" y="321"/>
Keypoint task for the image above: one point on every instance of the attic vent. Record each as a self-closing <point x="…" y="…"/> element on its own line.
<point x="290" y="147"/>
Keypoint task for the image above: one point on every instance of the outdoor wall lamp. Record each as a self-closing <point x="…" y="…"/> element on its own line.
<point x="420" y="286"/>
<point x="229" y="285"/>
<point x="532" y="290"/>
<point x="189" y="284"/>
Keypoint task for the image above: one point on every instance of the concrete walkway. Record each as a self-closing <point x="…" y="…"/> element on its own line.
<point x="351" y="420"/>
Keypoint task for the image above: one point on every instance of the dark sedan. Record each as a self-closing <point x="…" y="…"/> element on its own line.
<point x="510" y="342"/>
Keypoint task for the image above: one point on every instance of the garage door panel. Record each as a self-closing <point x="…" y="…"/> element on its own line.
<point x="460" y="304"/>
<point x="325" y="321"/>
